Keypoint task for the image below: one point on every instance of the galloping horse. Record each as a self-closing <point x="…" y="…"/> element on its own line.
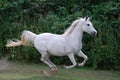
<point x="67" y="44"/>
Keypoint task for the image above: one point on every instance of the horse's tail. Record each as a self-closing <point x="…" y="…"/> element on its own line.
<point x="27" y="38"/>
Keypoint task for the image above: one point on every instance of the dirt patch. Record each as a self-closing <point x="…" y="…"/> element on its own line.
<point x="4" y="64"/>
<point x="7" y="66"/>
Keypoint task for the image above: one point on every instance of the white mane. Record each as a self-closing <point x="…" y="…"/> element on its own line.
<point x="72" y="26"/>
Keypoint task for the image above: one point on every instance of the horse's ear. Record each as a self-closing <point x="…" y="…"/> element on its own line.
<point x="87" y="18"/>
<point x="90" y="18"/>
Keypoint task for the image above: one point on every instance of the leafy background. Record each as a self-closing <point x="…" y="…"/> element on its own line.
<point x="55" y="16"/>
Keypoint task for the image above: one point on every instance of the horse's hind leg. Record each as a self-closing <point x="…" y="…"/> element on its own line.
<point x="45" y="59"/>
<point x="72" y="59"/>
<point x="49" y="61"/>
<point x="81" y="54"/>
<point x="54" y="66"/>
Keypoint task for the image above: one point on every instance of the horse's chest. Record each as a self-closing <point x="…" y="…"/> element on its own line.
<point x="77" y="48"/>
<point x="74" y="48"/>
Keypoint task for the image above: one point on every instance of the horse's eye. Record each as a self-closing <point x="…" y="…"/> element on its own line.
<point x="88" y="24"/>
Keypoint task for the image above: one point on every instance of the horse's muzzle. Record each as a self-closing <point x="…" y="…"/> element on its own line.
<point x="94" y="33"/>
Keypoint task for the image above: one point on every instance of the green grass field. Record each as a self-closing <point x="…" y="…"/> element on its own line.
<point x="20" y="71"/>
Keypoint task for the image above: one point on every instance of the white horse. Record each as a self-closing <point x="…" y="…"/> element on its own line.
<point x="69" y="43"/>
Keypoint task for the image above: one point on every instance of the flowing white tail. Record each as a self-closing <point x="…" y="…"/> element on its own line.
<point x="27" y="38"/>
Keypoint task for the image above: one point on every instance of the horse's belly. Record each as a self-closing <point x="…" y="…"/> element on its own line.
<point x="57" y="53"/>
<point x="56" y="49"/>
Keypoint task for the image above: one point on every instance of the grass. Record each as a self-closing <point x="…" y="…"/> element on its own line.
<point x="22" y="71"/>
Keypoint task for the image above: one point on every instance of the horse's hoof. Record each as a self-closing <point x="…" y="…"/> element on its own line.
<point x="47" y="73"/>
<point x="54" y="71"/>
<point x="63" y="66"/>
<point x="80" y="65"/>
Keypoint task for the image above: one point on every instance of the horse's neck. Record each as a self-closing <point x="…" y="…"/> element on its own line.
<point x="76" y="35"/>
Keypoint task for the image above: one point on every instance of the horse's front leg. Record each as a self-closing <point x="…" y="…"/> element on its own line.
<point x="81" y="54"/>
<point x="72" y="59"/>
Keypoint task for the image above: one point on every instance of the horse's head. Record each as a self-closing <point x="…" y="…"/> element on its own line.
<point x="88" y="27"/>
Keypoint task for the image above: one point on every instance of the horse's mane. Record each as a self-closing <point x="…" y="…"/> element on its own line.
<point x="72" y="27"/>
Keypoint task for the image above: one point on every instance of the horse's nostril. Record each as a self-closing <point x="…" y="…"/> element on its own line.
<point x="94" y="33"/>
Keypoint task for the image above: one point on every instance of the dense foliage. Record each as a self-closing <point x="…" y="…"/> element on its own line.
<point x="55" y="16"/>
